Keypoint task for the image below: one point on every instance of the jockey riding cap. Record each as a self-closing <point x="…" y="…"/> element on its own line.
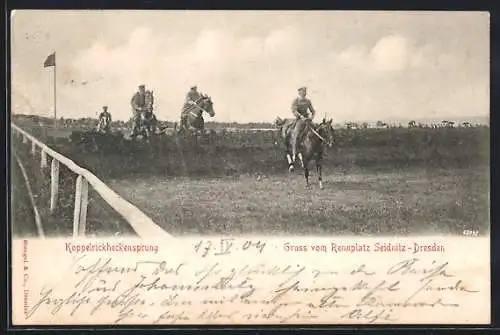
<point x="303" y="88"/>
<point x="194" y="87"/>
<point x="142" y="86"/>
<point x="104" y="107"/>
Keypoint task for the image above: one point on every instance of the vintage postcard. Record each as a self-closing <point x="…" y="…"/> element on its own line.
<point x="250" y="167"/>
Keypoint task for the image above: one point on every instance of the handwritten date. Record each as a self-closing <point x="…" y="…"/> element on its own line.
<point x="226" y="246"/>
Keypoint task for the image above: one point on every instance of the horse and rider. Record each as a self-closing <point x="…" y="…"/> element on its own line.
<point x="104" y="125"/>
<point x="144" y="121"/>
<point x="195" y="104"/>
<point x="303" y="139"/>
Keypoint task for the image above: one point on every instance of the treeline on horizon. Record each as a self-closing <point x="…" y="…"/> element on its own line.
<point x="88" y="122"/>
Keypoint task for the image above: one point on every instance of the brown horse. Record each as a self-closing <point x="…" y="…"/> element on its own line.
<point x="311" y="144"/>
<point x="148" y="121"/>
<point x="104" y="125"/>
<point x="194" y="115"/>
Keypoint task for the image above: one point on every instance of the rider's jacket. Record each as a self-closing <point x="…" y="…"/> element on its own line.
<point x="192" y="96"/>
<point x="138" y="101"/>
<point x="300" y="106"/>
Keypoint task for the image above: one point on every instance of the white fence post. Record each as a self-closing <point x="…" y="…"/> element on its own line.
<point x="140" y="223"/>
<point x="80" y="211"/>
<point x="78" y="202"/>
<point x="33" y="148"/>
<point x="43" y="160"/>
<point x="54" y="184"/>
<point x="83" y="208"/>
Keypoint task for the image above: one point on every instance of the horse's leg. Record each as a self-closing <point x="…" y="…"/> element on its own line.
<point x="285" y="133"/>
<point x="296" y="137"/>
<point x="290" y="162"/>
<point x="306" y="173"/>
<point x="293" y="145"/>
<point x="183" y="128"/>
<point x="301" y="159"/>
<point x="291" y="168"/>
<point x="319" y="169"/>
<point x="196" y="135"/>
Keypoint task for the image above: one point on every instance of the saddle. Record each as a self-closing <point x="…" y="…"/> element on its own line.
<point x="287" y="126"/>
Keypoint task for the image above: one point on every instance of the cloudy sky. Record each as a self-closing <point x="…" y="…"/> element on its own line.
<point x="357" y="65"/>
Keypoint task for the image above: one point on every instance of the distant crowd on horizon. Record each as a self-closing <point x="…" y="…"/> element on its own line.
<point x="118" y="124"/>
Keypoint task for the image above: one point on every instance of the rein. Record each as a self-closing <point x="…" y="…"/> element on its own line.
<point x="316" y="133"/>
<point x="197" y="106"/>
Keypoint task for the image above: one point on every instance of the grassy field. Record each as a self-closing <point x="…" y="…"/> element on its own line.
<point x="377" y="182"/>
<point x="402" y="203"/>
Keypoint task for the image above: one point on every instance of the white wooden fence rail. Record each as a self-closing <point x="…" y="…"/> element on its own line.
<point x="140" y="222"/>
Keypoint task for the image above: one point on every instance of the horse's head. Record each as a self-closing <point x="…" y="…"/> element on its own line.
<point x="207" y="105"/>
<point x="149" y="100"/>
<point x="279" y="122"/>
<point x="325" y="129"/>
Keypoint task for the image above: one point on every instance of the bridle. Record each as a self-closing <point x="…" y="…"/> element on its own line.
<point x="315" y="132"/>
<point x="198" y="107"/>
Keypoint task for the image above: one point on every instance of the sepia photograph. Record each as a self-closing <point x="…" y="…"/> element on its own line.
<point x="251" y="122"/>
<point x="242" y="124"/>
